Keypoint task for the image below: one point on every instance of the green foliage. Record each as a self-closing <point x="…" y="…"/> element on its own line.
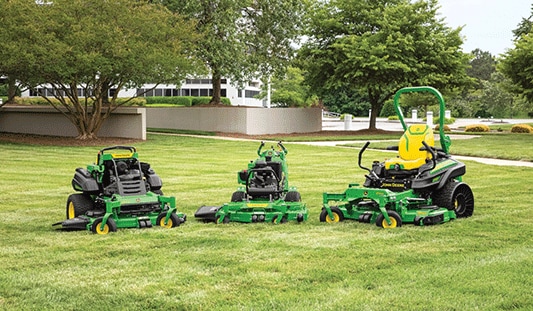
<point x="522" y="128"/>
<point x="482" y="65"/>
<point x="174" y="100"/>
<point x="477" y="128"/>
<point x="243" y="37"/>
<point x="127" y="44"/>
<point x="393" y="118"/>
<point x="517" y="63"/>
<point x="308" y="266"/>
<point x="204" y="100"/>
<point x="377" y="47"/>
<point x="290" y="91"/>
<point x="388" y="109"/>
<point x="344" y="100"/>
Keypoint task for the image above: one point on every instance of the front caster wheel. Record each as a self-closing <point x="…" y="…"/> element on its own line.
<point x="173" y="221"/>
<point x="395" y="219"/>
<point x="110" y="226"/>
<point x="337" y="215"/>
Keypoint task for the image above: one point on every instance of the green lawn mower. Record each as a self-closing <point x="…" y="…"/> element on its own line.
<point x="119" y="191"/>
<point x="264" y="194"/>
<point x="422" y="185"/>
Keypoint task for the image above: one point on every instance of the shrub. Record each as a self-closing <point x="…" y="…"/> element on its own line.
<point x="204" y="100"/>
<point x="446" y="128"/>
<point x="477" y="128"/>
<point x="174" y="100"/>
<point x="392" y="118"/>
<point x="522" y="128"/>
<point x="139" y="101"/>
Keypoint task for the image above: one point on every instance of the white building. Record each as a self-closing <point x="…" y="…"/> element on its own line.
<point x="191" y="87"/>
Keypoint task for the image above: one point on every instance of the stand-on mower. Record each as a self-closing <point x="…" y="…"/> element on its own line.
<point x="119" y="191"/>
<point x="265" y="194"/>
<point x="423" y="185"/>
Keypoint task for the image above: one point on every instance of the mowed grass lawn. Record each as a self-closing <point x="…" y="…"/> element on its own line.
<point x="480" y="263"/>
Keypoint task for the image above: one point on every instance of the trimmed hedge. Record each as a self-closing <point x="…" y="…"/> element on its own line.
<point x="174" y="100"/>
<point x="477" y="128"/>
<point x="522" y="128"/>
<point x="39" y="101"/>
<point x="186" y="101"/>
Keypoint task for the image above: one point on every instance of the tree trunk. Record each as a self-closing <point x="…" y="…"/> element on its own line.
<point x="11" y="91"/>
<point x="374" y="115"/>
<point x="216" y="79"/>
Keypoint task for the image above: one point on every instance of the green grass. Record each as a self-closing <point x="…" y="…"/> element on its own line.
<point x="498" y="146"/>
<point x="481" y="263"/>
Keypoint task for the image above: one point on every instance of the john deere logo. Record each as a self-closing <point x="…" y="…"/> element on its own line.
<point x="365" y="193"/>
<point x="138" y="200"/>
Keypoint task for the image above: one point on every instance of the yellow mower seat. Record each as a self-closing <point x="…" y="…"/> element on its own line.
<point x="410" y="157"/>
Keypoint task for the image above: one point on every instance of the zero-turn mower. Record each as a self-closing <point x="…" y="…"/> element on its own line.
<point x="422" y="185"/>
<point x="119" y="191"/>
<point x="264" y="194"/>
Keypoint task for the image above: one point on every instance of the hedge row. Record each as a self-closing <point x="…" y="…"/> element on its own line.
<point x="183" y="100"/>
<point x="139" y="101"/>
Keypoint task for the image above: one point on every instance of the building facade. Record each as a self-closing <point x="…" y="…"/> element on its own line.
<point x="190" y="87"/>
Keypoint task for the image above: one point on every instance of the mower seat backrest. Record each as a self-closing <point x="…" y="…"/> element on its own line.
<point x="410" y="157"/>
<point x="263" y="182"/>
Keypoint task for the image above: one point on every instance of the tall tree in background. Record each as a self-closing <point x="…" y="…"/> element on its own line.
<point x="517" y="63"/>
<point x="482" y="65"/>
<point x="96" y="45"/>
<point x="243" y="38"/>
<point x="377" y="47"/>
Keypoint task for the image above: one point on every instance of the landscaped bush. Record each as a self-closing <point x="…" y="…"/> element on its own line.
<point x="477" y="128"/>
<point x="446" y="128"/>
<point x="393" y="118"/>
<point x="522" y="128"/>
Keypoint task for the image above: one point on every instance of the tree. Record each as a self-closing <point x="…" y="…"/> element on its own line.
<point x="243" y="38"/>
<point x="377" y="47"/>
<point x="482" y="65"/>
<point x="517" y="63"/>
<point x="289" y="90"/>
<point x="85" y="52"/>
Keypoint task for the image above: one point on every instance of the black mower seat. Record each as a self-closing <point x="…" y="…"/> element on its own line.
<point x="263" y="182"/>
<point x="410" y="157"/>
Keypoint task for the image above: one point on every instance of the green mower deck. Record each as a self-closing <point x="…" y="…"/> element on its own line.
<point x="422" y="185"/>
<point x="265" y="194"/>
<point x="117" y="192"/>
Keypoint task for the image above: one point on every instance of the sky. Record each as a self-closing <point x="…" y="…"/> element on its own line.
<point x="488" y="24"/>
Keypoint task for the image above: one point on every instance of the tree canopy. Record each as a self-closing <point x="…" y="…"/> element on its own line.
<point x="517" y="63"/>
<point x="92" y="49"/>
<point x="243" y="39"/>
<point x="377" y="47"/>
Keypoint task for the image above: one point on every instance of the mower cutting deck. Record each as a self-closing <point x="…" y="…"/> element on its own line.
<point x="119" y="192"/>
<point x="265" y="195"/>
<point x="423" y="185"/>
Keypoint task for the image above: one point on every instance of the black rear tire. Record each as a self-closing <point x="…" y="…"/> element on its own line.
<point x="78" y="204"/>
<point x="456" y="196"/>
